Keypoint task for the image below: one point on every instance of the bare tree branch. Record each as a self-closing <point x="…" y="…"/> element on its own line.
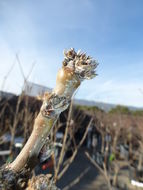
<point x="76" y="67"/>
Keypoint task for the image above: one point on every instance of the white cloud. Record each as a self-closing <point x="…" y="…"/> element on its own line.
<point x="114" y="92"/>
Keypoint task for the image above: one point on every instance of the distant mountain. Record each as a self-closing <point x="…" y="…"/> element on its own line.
<point x="104" y="106"/>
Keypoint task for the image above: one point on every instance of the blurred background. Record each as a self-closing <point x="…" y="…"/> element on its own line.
<point x="105" y="122"/>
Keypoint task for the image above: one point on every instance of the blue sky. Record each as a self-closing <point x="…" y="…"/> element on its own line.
<point x="111" y="31"/>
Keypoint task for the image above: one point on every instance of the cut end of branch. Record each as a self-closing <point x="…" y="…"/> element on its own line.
<point x="84" y="66"/>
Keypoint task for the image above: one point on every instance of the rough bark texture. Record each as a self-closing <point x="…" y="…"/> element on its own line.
<point x="76" y="67"/>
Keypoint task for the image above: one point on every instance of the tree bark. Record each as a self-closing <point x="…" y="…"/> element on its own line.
<point x="76" y="67"/>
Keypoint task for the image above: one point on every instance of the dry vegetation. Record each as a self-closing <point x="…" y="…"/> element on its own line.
<point x="113" y="130"/>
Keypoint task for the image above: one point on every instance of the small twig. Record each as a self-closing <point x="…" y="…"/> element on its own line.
<point x="7" y="74"/>
<point x="94" y="163"/>
<point x="75" y="152"/>
<point x="77" y="180"/>
<point x="64" y="142"/>
<point x="20" y="66"/>
<point x="103" y="172"/>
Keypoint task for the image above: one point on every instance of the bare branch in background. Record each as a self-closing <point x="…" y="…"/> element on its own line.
<point x="74" y="182"/>
<point x="7" y="75"/>
<point x="64" y="143"/>
<point x="102" y="171"/>
<point x="75" y="152"/>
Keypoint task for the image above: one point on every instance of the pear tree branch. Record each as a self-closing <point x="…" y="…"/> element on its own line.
<point x="76" y="67"/>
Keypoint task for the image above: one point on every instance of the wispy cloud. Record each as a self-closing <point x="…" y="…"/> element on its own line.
<point x="115" y="92"/>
